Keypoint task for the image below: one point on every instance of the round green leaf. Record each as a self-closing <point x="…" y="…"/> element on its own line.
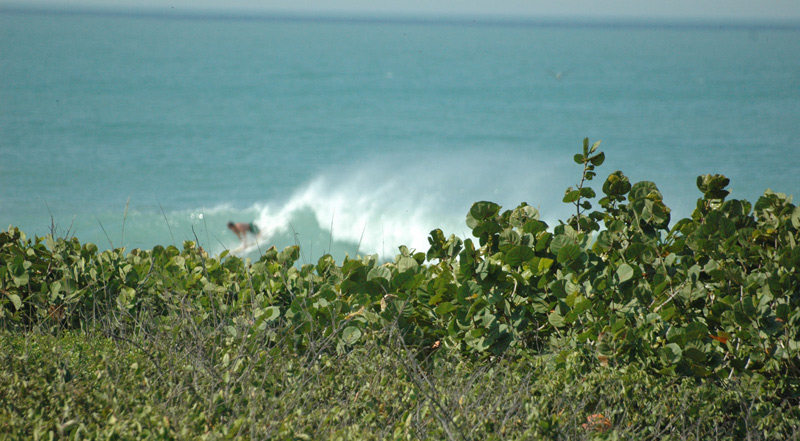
<point x="272" y="313"/>
<point x="556" y="320"/>
<point x="568" y="253"/>
<point x="616" y="184"/>
<point x="15" y="300"/>
<point x="489" y="227"/>
<point x="351" y="334"/>
<point x="598" y="159"/>
<point x="523" y="214"/>
<point x="558" y="242"/>
<point x="380" y="272"/>
<point x="604" y="242"/>
<point x="484" y="210"/>
<point x="645" y="190"/>
<point x="571" y="196"/>
<point x="624" y="273"/>
<point x="671" y="353"/>
<point x="519" y="254"/>
<point x="405" y="263"/>
<point x="444" y="308"/>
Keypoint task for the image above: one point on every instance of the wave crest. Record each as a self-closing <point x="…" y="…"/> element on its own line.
<point x="378" y="207"/>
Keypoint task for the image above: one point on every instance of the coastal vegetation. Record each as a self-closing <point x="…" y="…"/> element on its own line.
<point x="615" y="323"/>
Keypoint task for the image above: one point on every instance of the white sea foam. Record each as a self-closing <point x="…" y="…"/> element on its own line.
<point x="371" y="207"/>
<point x="391" y="200"/>
<point x="378" y="217"/>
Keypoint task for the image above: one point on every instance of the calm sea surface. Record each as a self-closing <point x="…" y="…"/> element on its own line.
<point x="356" y="137"/>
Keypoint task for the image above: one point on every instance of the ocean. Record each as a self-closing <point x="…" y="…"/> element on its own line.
<point x="353" y="137"/>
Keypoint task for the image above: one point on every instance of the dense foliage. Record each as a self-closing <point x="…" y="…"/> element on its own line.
<point x="80" y="387"/>
<point x="714" y="296"/>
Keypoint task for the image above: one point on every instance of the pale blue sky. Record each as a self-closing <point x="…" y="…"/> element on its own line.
<point x="664" y="9"/>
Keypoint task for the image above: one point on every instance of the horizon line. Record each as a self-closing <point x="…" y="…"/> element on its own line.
<point x="408" y="18"/>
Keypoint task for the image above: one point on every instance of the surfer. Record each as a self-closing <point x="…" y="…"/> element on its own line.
<point x="241" y="229"/>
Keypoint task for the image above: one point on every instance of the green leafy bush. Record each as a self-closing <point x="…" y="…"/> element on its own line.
<point x="716" y="294"/>
<point x="616" y="323"/>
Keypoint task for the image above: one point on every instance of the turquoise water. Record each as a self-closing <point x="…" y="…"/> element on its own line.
<point x="359" y="136"/>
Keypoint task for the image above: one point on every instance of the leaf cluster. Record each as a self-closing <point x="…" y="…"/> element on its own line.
<point x="716" y="294"/>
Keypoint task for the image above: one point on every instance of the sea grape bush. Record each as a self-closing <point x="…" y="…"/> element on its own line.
<point x="717" y="293"/>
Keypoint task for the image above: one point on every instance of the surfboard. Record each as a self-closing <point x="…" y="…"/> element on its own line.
<point x="253" y="245"/>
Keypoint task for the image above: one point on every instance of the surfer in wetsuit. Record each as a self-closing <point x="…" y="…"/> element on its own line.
<point x="241" y="229"/>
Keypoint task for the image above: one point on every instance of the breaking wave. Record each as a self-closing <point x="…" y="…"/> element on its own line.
<point x="394" y="200"/>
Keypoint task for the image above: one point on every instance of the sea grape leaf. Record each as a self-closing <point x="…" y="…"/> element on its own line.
<point x="556" y="319"/>
<point x="21" y="280"/>
<point x="582" y="304"/>
<point x="483" y="210"/>
<point x="796" y="217"/>
<point x="543" y="240"/>
<point x="645" y="190"/>
<point x="15" y="300"/>
<point x="571" y="195"/>
<point x="437" y="242"/>
<point x="558" y="242"/>
<point x="351" y="334"/>
<point x="568" y="253"/>
<point x="616" y="184"/>
<point x="405" y="263"/>
<point x="289" y="255"/>
<point x="557" y="287"/>
<point x="624" y="273"/>
<point x="489" y="227"/>
<point x="713" y="186"/>
<point x="444" y="308"/>
<point x="544" y="264"/>
<point x="671" y="353"/>
<point x="534" y="227"/>
<point x="522" y="215"/>
<point x="379" y="272"/>
<point x="588" y="335"/>
<point x="695" y="355"/>
<point x="476" y="307"/>
<point x="272" y="313"/>
<point x="521" y="253"/>
<point x="598" y="159"/>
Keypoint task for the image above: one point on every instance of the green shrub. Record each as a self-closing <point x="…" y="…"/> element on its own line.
<point x="716" y="294"/>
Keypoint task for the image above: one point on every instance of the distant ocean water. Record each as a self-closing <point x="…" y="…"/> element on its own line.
<point x="354" y="137"/>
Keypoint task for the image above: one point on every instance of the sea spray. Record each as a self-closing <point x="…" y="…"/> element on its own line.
<point x="371" y="206"/>
<point x="362" y="219"/>
<point x="394" y="199"/>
